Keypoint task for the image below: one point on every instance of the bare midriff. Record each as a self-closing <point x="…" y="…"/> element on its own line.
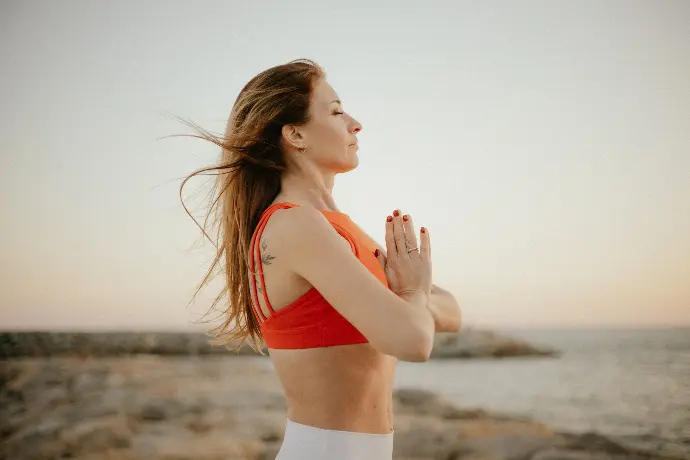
<point x="344" y="387"/>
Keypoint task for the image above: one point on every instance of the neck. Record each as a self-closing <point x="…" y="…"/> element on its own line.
<point x="308" y="186"/>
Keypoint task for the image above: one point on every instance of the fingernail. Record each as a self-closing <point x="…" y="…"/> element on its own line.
<point x="423" y="230"/>
<point x="396" y="213"/>
<point x="376" y="253"/>
<point x="405" y="217"/>
<point x="389" y="219"/>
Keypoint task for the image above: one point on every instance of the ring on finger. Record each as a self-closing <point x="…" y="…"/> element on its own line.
<point x="409" y="250"/>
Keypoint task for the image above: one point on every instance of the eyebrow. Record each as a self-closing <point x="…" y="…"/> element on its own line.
<point x="337" y="101"/>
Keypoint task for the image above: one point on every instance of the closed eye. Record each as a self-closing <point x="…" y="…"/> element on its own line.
<point x="338" y="113"/>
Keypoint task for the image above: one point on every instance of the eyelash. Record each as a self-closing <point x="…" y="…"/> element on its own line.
<point x="338" y="113"/>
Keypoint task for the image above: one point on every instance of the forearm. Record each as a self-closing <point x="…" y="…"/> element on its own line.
<point x="422" y="339"/>
<point x="421" y="315"/>
<point x="444" y="309"/>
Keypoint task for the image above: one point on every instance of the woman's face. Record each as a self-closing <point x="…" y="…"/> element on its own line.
<point x="330" y="136"/>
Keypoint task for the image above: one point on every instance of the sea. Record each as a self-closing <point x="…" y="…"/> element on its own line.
<point x="631" y="385"/>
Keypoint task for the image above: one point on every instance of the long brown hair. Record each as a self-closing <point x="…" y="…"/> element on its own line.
<point x="247" y="181"/>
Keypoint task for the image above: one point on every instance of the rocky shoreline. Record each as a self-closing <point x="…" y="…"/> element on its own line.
<point x="469" y="343"/>
<point x="212" y="407"/>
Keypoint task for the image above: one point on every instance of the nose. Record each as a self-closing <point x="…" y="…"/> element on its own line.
<point x="356" y="126"/>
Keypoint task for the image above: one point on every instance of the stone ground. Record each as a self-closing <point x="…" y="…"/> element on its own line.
<point x="231" y="407"/>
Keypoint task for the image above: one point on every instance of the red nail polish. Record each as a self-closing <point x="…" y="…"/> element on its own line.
<point x="376" y="253"/>
<point x="389" y="219"/>
<point x="423" y="230"/>
<point x="396" y="213"/>
<point x="405" y="217"/>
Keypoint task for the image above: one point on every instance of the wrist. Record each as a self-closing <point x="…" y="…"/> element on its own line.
<point x="413" y="294"/>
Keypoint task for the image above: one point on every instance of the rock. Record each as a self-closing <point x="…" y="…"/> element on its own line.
<point x="157" y="409"/>
<point x="39" y="439"/>
<point x="595" y="442"/>
<point x="153" y="412"/>
<point x="515" y="446"/>
<point x="97" y="435"/>
<point x="160" y="408"/>
<point x="415" y="397"/>
<point x="469" y="343"/>
<point x="417" y="401"/>
<point x="561" y="454"/>
<point x="8" y="372"/>
<point x="421" y="440"/>
<point x="191" y="446"/>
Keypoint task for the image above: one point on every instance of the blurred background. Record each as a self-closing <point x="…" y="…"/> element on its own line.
<point x="546" y="146"/>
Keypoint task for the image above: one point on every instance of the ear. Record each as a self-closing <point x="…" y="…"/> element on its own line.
<point x="293" y="136"/>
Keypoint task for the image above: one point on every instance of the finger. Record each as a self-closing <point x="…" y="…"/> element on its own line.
<point x="410" y="237"/>
<point x="399" y="233"/>
<point x="381" y="258"/>
<point x="424" y="244"/>
<point x="390" y="238"/>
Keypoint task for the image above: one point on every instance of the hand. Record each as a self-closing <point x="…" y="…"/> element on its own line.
<point x="406" y="271"/>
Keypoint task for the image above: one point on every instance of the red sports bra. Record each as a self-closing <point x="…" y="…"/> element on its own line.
<point x="310" y="321"/>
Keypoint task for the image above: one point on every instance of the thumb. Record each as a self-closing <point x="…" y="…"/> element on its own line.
<point x="380" y="257"/>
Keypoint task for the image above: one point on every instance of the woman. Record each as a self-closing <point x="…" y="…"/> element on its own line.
<point x="335" y="310"/>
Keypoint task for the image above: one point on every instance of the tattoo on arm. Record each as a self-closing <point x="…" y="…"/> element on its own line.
<point x="266" y="258"/>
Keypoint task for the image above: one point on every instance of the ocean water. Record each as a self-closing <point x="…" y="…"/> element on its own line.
<point x="631" y="385"/>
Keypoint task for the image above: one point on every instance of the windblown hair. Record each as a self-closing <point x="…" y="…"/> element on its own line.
<point x="248" y="178"/>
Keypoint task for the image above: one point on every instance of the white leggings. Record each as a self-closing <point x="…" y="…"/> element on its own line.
<point x="307" y="442"/>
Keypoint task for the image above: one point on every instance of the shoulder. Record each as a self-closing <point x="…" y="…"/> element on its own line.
<point x="293" y="229"/>
<point x="291" y="221"/>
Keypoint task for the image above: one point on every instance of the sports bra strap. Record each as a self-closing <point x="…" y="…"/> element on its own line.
<point x="255" y="253"/>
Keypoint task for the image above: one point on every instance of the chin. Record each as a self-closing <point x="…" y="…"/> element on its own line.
<point x="352" y="164"/>
<point x="355" y="161"/>
<point x="348" y="163"/>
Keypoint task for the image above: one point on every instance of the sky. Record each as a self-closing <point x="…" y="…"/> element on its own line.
<point x="545" y="144"/>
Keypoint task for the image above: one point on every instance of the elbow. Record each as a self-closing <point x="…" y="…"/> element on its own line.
<point x="454" y="322"/>
<point x="454" y="325"/>
<point x="413" y="346"/>
<point x="449" y="324"/>
<point x="458" y="322"/>
<point x="420" y="355"/>
<point x="419" y="350"/>
<point x="411" y="339"/>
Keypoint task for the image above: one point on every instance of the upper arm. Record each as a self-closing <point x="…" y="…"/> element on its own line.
<point x="310" y="247"/>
